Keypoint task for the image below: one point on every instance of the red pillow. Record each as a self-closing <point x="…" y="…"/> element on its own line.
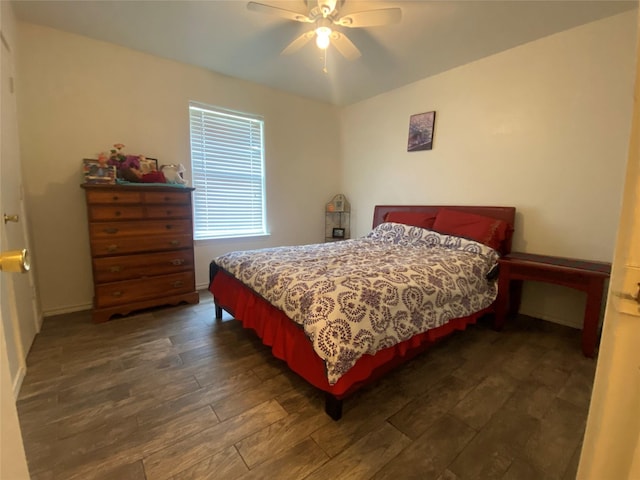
<point x="414" y="219"/>
<point x="487" y="230"/>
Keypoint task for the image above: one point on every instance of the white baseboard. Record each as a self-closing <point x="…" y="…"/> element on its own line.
<point x="17" y="382"/>
<point x="87" y="306"/>
<point x="68" y="309"/>
<point x="550" y="318"/>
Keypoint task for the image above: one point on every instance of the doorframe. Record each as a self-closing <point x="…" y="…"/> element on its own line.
<point x="611" y="445"/>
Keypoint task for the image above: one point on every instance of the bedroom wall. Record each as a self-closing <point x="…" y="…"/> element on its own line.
<point x="543" y="127"/>
<point x="77" y="97"/>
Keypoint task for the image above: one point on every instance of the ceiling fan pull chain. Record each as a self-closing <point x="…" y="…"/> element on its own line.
<point x="324" y="69"/>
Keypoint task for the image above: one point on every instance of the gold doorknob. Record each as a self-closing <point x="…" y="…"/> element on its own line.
<point x="10" y="218"/>
<point x="17" y="261"/>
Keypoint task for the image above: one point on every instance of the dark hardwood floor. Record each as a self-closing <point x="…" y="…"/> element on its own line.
<point x="174" y="394"/>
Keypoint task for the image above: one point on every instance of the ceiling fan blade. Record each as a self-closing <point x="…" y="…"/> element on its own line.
<point x="298" y="43"/>
<point x="344" y="46"/>
<point x="280" y="12"/>
<point x="371" y="18"/>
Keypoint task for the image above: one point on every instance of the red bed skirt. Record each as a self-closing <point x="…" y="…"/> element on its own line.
<point x="288" y="341"/>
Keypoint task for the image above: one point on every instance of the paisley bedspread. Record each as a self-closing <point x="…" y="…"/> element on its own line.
<point x="357" y="297"/>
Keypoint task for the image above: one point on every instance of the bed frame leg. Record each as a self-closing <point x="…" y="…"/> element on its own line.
<point x="333" y="406"/>
<point x="218" y="313"/>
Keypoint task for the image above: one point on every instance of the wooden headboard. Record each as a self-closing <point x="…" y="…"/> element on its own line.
<point x="506" y="214"/>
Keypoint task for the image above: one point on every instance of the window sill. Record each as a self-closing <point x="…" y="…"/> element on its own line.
<point x="206" y="241"/>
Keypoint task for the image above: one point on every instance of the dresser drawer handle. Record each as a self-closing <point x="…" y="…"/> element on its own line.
<point x="174" y="242"/>
<point x="168" y="227"/>
<point x="110" y="230"/>
<point x="177" y="261"/>
<point x="118" y="213"/>
<point x="177" y="283"/>
<point x="116" y="198"/>
<point x="115" y="269"/>
<point x="167" y="199"/>
<point x="112" y="248"/>
<point x="116" y="294"/>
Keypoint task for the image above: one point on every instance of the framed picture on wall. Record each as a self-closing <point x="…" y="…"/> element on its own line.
<point x="421" y="131"/>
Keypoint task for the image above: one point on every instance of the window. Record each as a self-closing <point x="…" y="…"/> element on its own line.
<point x="227" y="160"/>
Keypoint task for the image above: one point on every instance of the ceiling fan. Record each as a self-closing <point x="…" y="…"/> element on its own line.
<point x="325" y="14"/>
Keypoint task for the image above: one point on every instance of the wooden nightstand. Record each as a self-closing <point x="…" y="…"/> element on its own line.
<point x="583" y="275"/>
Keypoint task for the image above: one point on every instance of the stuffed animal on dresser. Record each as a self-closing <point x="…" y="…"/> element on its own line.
<point x="173" y="173"/>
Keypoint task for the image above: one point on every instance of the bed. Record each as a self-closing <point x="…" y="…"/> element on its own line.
<point x="342" y="314"/>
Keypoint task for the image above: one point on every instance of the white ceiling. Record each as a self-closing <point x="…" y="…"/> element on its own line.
<point x="223" y="36"/>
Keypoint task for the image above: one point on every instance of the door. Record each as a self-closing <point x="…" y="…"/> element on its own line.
<point x="611" y="447"/>
<point x="13" y="463"/>
<point x="18" y="306"/>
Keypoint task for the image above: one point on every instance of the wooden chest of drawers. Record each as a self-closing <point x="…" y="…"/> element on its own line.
<point x="141" y="247"/>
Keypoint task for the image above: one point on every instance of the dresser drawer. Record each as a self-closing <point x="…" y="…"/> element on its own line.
<point x="111" y="269"/>
<point x="168" y="211"/>
<point x="101" y="247"/>
<point x="118" y="293"/>
<point x="116" y="212"/>
<point x="151" y="227"/>
<point x="168" y="198"/>
<point x="113" y="197"/>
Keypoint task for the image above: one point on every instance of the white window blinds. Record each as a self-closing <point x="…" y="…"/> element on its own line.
<point x="227" y="160"/>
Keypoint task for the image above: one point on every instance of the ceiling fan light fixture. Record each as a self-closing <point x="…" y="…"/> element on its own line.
<point x="322" y="37"/>
<point x="325" y="15"/>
